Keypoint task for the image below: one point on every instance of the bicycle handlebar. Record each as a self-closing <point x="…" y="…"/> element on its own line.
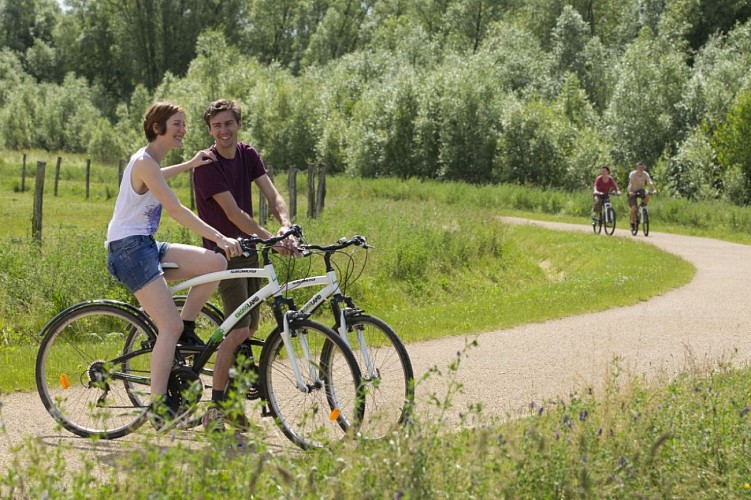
<point x="356" y="240"/>
<point x="249" y="244"/>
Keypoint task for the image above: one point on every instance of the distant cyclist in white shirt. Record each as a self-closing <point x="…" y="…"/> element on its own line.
<point x="638" y="180"/>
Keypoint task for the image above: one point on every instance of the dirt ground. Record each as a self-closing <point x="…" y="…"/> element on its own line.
<point x="705" y="321"/>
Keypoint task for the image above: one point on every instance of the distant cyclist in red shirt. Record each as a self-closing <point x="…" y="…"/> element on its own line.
<point x="604" y="184"/>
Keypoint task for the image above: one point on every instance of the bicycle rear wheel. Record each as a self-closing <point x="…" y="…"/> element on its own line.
<point x="83" y="379"/>
<point x="645" y="222"/>
<point x="387" y="374"/>
<point x="331" y="402"/>
<point x="609" y="221"/>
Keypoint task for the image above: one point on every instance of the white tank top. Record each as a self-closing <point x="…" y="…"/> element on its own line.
<point x="135" y="214"/>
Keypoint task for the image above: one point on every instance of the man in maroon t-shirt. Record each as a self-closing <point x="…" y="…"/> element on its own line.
<point x="223" y="198"/>
<point x="604" y="184"/>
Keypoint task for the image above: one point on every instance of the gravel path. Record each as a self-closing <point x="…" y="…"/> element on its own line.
<point x="704" y="321"/>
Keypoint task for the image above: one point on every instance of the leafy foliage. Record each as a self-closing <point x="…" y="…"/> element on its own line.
<point x="473" y="90"/>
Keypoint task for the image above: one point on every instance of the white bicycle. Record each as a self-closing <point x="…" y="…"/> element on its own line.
<point x="93" y="366"/>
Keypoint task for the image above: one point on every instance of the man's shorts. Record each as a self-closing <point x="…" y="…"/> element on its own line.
<point x="135" y="261"/>
<point x="634" y="200"/>
<point x="236" y="291"/>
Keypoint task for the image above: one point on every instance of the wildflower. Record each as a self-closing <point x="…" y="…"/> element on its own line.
<point x="744" y="411"/>
<point x="539" y="412"/>
<point x="599" y="431"/>
<point x="583" y="415"/>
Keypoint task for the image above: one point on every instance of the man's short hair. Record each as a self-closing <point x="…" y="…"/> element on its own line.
<point x="217" y="107"/>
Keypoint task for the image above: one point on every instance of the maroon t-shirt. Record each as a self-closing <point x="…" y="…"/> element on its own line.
<point x="235" y="176"/>
<point x="604" y="186"/>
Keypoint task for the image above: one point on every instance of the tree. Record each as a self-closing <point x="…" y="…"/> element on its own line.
<point x="466" y="22"/>
<point x="570" y="37"/>
<point x="642" y="117"/>
<point x="340" y="31"/>
<point x="24" y="21"/>
<point x="732" y="144"/>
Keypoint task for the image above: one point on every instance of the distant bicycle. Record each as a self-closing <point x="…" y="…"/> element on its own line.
<point x="606" y="217"/>
<point x="642" y="214"/>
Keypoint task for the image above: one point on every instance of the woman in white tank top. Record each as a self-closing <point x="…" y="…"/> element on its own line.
<point x="134" y="256"/>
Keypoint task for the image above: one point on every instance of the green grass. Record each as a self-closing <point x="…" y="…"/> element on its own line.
<point x="443" y="265"/>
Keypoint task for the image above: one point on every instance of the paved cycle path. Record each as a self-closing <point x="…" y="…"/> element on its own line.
<point x="705" y="321"/>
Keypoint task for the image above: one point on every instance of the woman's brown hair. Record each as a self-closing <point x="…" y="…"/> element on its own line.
<point x="158" y="114"/>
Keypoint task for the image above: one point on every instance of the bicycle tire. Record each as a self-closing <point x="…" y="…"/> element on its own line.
<point x="78" y="384"/>
<point x="609" y="221"/>
<point x="597" y="225"/>
<point x="330" y="408"/>
<point x="389" y="392"/>
<point x="645" y="222"/>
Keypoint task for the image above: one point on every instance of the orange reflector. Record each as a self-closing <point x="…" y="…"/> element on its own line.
<point x="64" y="381"/>
<point x="334" y="414"/>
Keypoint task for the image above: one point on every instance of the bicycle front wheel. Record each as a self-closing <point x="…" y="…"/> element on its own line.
<point x="84" y="381"/>
<point x="597" y="225"/>
<point x="645" y="223"/>
<point x="609" y="221"/>
<point x="386" y="371"/>
<point x="327" y="402"/>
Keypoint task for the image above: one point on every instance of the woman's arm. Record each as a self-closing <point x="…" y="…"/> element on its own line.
<point x="203" y="157"/>
<point x="147" y="174"/>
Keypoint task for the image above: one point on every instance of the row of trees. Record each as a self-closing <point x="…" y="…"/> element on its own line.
<point x="540" y="92"/>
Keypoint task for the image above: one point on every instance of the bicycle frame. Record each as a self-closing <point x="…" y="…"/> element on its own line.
<point x="271" y="289"/>
<point x="606" y="204"/>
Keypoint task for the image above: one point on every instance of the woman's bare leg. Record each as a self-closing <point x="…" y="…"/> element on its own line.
<point x="159" y="305"/>
<point x="194" y="261"/>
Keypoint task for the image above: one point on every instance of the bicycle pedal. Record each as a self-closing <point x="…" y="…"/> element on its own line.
<point x="253" y="393"/>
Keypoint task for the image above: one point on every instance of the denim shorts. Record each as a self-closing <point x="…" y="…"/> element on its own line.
<point x="135" y="261"/>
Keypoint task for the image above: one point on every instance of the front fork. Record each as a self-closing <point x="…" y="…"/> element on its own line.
<point x="342" y="327"/>
<point x="285" y="319"/>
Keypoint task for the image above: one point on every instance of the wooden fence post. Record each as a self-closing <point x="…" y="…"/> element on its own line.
<point x="88" y="176"/>
<point x="23" y="174"/>
<point x="292" y="189"/>
<point x="36" y="220"/>
<point x="263" y="203"/>
<point x="57" y="173"/>
<point x="321" y="191"/>
<point x="311" y="191"/>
